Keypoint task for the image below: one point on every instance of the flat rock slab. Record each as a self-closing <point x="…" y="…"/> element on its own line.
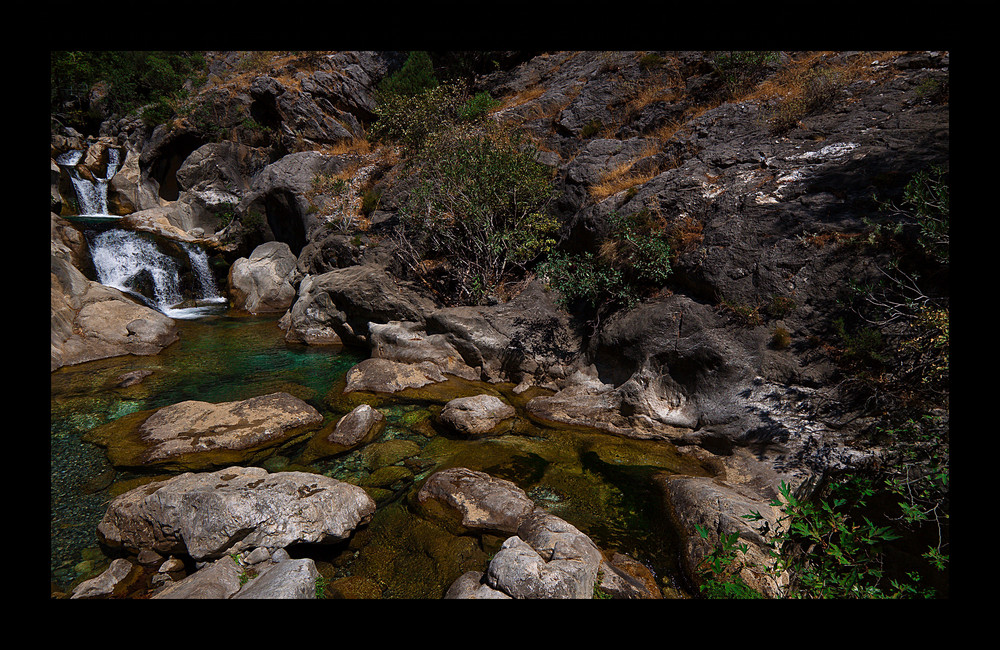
<point x="210" y="514"/>
<point x="195" y="435"/>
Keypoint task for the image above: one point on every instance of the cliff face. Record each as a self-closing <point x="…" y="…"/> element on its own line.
<point x="780" y="181"/>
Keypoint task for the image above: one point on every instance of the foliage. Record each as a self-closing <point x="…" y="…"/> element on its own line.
<point x="414" y="78"/>
<point x="634" y="258"/>
<point x="477" y="107"/>
<point x="721" y="569"/>
<point x="828" y="545"/>
<point x="411" y="120"/>
<point x="480" y="200"/>
<point x="321" y="585"/>
<point x="741" y="70"/>
<point x="133" y="78"/>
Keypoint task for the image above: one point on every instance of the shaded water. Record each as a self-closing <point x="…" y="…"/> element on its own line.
<point x="600" y="483"/>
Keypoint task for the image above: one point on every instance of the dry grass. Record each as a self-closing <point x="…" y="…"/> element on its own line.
<point x="624" y="176"/>
<point x="813" y="81"/>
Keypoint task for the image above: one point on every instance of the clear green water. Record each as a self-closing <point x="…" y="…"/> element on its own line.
<point x="600" y="483"/>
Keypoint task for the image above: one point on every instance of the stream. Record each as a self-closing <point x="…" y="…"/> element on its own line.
<point x="598" y="482"/>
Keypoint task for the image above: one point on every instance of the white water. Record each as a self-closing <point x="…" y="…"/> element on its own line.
<point x="93" y="196"/>
<point x="122" y="258"/>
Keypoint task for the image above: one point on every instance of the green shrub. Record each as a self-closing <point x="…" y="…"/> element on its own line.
<point x="829" y="545"/>
<point x="415" y="77"/>
<point x="477" y="107"/>
<point x="743" y="69"/>
<point x="633" y="259"/>
<point x="411" y="120"/>
<point x="479" y="200"/>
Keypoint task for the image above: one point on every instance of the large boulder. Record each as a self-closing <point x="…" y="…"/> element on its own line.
<point x="91" y="321"/>
<point x="476" y="415"/>
<point x="198" y="435"/>
<point x="211" y="514"/>
<point x="337" y="306"/>
<point x="220" y="173"/>
<point x="465" y="500"/>
<point x="263" y="283"/>
<point x="548" y="558"/>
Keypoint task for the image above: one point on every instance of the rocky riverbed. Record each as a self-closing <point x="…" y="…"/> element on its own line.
<point x="345" y="427"/>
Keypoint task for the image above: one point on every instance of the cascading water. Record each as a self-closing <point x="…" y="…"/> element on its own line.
<point x="131" y="262"/>
<point x="93" y="196"/>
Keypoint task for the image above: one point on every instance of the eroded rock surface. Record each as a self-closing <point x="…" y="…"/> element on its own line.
<point x="199" y="435"/>
<point x="210" y="514"/>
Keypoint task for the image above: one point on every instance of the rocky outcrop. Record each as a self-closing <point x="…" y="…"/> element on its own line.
<point x="264" y="282"/>
<point x="337" y="306"/>
<point x="193" y="435"/>
<point x="91" y="321"/>
<point x="210" y="515"/>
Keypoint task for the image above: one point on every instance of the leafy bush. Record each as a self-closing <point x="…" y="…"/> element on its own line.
<point x="414" y="78"/>
<point x="829" y="545"/>
<point x="743" y="69"/>
<point x="634" y="258"/>
<point x="480" y="201"/>
<point x="477" y="107"/>
<point x="411" y="120"/>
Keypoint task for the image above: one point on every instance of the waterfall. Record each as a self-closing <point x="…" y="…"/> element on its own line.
<point x="202" y="271"/>
<point x="131" y="262"/>
<point x="93" y="196"/>
<point x="127" y="261"/>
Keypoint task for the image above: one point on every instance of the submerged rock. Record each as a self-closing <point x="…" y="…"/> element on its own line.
<point x="208" y="515"/>
<point x="200" y="435"/>
<point x="462" y="500"/>
<point x="361" y="426"/>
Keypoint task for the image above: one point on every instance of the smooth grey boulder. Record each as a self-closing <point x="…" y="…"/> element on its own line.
<point x="262" y="283"/>
<point x="210" y="514"/>
<point x="476" y="415"/>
